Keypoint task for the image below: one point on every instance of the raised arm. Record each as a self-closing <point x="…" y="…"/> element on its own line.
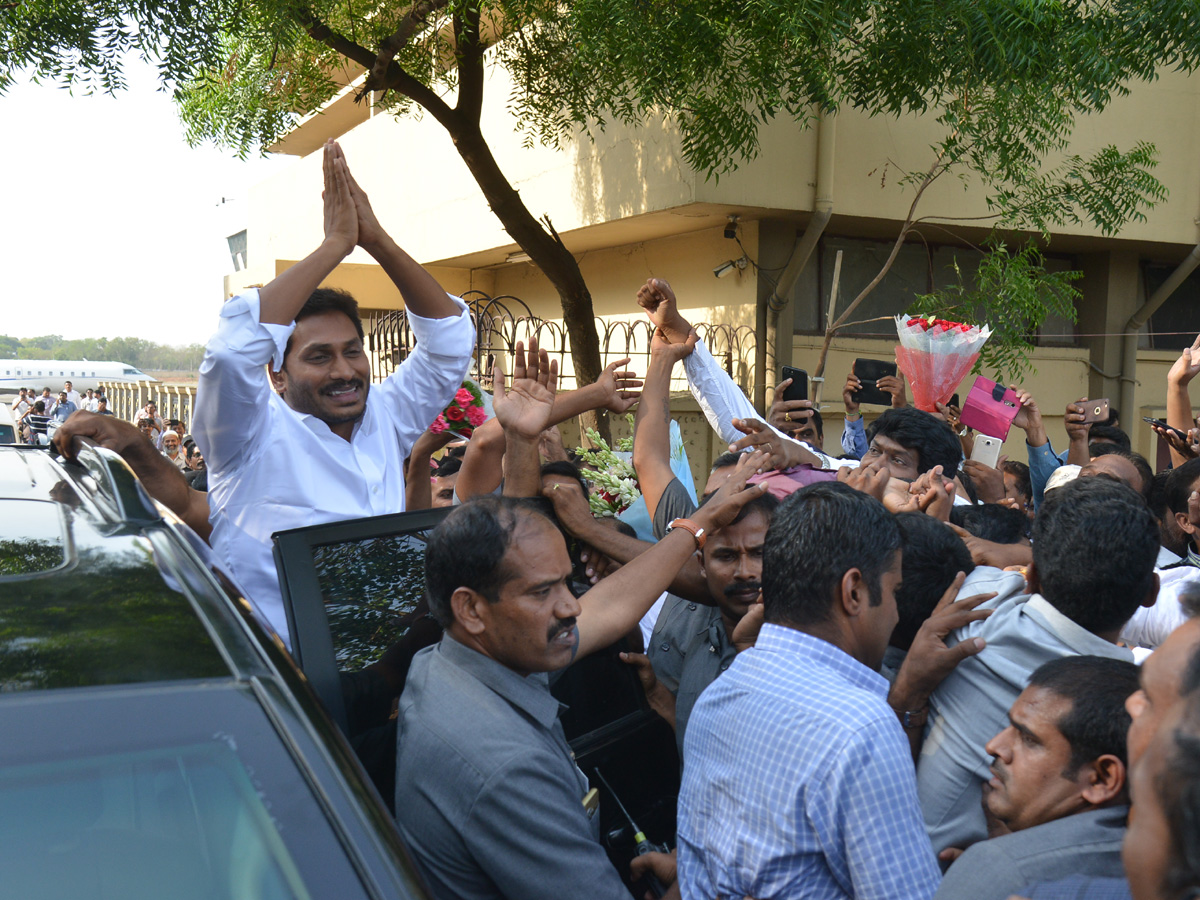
<point x="280" y="300"/>
<point x="523" y="411"/>
<point x="652" y="425"/>
<point x="1179" y="403"/>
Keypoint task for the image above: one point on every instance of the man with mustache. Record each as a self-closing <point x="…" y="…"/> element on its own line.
<point x="316" y="443"/>
<point x="489" y="798"/>
<point x="1059" y="782"/>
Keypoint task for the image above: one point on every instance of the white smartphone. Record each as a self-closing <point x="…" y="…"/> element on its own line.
<point x="986" y="450"/>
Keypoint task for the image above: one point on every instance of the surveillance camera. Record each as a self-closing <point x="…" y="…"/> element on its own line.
<point x="731" y="224"/>
<point x="724" y="268"/>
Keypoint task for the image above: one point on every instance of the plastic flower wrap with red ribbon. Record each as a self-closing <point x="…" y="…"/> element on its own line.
<point x="465" y="413"/>
<point x="935" y="355"/>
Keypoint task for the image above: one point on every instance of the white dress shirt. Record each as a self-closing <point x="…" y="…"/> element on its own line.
<point x="1150" y="625"/>
<point x="722" y="401"/>
<point x="272" y="468"/>
<point x="73" y="396"/>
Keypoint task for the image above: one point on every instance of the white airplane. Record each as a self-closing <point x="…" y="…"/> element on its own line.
<point x="83" y="374"/>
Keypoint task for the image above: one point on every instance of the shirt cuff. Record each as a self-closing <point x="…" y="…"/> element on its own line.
<point x="249" y="304"/>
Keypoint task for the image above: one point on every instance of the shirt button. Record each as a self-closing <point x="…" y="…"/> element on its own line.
<point x="374" y="489"/>
<point x="691" y="606"/>
<point x="665" y="647"/>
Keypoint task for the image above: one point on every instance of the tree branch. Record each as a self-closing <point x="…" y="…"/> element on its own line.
<point x="395" y="42"/>
<point x="469" y="46"/>
<point x="395" y="79"/>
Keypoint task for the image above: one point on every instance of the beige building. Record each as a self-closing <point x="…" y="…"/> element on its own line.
<point x="630" y="208"/>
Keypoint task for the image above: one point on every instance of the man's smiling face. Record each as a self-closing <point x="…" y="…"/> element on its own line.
<point x="326" y="373"/>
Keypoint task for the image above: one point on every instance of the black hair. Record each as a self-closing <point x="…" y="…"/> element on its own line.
<point x="1020" y="472"/>
<point x="933" y="555"/>
<point x="1097" y="687"/>
<point x="1145" y="473"/>
<point x="468" y="549"/>
<point x="447" y="466"/>
<point x="1158" y="495"/>
<point x="992" y="522"/>
<point x="724" y="461"/>
<point x="567" y="470"/>
<point x="934" y="441"/>
<point x="457" y="452"/>
<point x="39" y="406"/>
<point x="1108" y="434"/>
<point x="324" y="300"/>
<point x="1180" y="485"/>
<point x="1095" y="543"/>
<point x="190" y="449"/>
<point x="1114" y="416"/>
<point x="1178" y="788"/>
<point x="819" y="533"/>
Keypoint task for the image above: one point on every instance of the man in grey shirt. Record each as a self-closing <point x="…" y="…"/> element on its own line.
<point x="488" y="796"/>
<point x="1094" y="546"/>
<point x="1058" y="782"/>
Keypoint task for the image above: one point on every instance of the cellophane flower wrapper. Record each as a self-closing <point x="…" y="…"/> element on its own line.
<point x="935" y="355"/>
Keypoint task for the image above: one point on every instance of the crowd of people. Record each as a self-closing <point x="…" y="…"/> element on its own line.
<point x="892" y="672"/>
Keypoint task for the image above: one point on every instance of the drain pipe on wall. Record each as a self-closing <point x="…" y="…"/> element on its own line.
<point x="766" y="319"/>
<point x="1129" y="340"/>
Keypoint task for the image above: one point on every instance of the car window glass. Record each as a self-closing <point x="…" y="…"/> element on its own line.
<point x="38" y="545"/>
<point x="369" y="587"/>
<point x="135" y="822"/>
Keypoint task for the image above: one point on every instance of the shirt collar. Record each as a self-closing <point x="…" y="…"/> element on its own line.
<point x="528" y="693"/>
<point x="780" y="638"/>
<point x="1068" y="630"/>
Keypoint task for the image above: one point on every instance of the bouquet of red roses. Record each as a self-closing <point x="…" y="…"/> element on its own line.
<point x="935" y="355"/>
<point x="464" y="414"/>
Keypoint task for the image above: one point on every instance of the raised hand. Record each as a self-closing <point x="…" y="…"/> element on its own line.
<point x="661" y="348"/>
<point x="788" y="415"/>
<point x="1077" y="429"/>
<point x="370" y="232"/>
<point x="724" y="505"/>
<point x="658" y="300"/>
<point x="526" y="406"/>
<point x="782" y="453"/>
<point x="340" y="214"/>
<point x="989" y="482"/>
<point x="618" y="387"/>
<point x="1187" y="367"/>
<point x="897" y="387"/>
<point x="1189" y="449"/>
<point x="852" y="387"/>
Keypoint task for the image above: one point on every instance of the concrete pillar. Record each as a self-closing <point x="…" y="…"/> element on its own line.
<point x="1110" y="297"/>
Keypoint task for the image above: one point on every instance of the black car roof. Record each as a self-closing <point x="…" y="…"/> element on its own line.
<point x="85" y="596"/>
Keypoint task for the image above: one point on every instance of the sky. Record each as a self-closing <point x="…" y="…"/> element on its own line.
<point x="112" y="225"/>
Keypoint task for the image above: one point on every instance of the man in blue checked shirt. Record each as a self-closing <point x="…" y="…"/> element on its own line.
<point x="800" y="780"/>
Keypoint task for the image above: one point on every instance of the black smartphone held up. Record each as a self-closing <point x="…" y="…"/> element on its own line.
<point x="798" y="389"/>
<point x="869" y="371"/>
<point x="954" y="402"/>
<point x="1162" y="424"/>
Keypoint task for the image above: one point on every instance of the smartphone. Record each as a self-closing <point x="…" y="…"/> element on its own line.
<point x="986" y="450"/>
<point x="1162" y="424"/>
<point x="1095" y="410"/>
<point x="954" y="402"/>
<point x="798" y="389"/>
<point x="869" y="371"/>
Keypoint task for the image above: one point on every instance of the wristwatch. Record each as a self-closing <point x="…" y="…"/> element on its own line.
<point x="688" y="525"/>
<point x="915" y="718"/>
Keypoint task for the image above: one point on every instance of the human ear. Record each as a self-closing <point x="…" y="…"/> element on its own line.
<point x="854" y="594"/>
<point x="466" y="606"/>
<point x="278" y="380"/>
<point x="1105" y="780"/>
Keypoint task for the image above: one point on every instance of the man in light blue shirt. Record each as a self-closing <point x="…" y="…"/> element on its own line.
<point x="799" y="779"/>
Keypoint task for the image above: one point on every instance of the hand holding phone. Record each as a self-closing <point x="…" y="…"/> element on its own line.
<point x="986" y="450"/>
<point x="1094" y="410"/>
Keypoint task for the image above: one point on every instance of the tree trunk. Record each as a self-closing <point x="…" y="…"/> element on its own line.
<point x="547" y="252"/>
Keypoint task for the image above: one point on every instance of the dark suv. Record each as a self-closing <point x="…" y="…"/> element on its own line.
<point x="155" y="741"/>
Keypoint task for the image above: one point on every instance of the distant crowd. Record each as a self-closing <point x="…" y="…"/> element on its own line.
<point x="37" y="418"/>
